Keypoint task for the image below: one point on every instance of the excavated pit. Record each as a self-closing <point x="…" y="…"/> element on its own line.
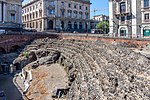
<point x="94" y="70"/>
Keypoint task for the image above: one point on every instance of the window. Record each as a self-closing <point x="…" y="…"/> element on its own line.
<point x="69" y="5"/>
<point x="33" y="15"/>
<point x="146" y="17"/>
<point x="69" y="13"/>
<point x="86" y="8"/>
<point x="40" y="4"/>
<point x="36" y="14"/>
<point x="62" y="13"/>
<point x="146" y="3"/>
<point x="51" y="3"/>
<point x="123" y="18"/>
<point x="13" y="17"/>
<point x="129" y="17"/>
<point x="80" y="15"/>
<point x="30" y="8"/>
<point x="122" y="7"/>
<point x="30" y="16"/>
<point x="75" y="6"/>
<point x="40" y="13"/>
<point x="33" y="7"/>
<point x="62" y="3"/>
<point x="51" y="11"/>
<point x="75" y="14"/>
<point x="80" y="7"/>
<point x="87" y="15"/>
<point x="36" y="6"/>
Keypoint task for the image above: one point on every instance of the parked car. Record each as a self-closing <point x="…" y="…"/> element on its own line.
<point x="30" y="30"/>
<point x="2" y="95"/>
<point x="96" y="31"/>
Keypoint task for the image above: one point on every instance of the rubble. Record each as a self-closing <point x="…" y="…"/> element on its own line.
<point x="96" y="70"/>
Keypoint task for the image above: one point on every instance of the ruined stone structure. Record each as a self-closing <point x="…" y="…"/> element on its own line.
<point x="67" y="15"/>
<point x="96" y="70"/>
<point x="11" y="42"/>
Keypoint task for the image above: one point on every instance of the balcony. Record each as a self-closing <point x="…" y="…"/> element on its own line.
<point x="146" y="21"/>
<point x="123" y="13"/>
<point x="10" y="25"/>
<point x="62" y="8"/>
<point x="51" y="7"/>
<point x="52" y="15"/>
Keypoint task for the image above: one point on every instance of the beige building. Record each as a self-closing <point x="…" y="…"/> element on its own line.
<point x="96" y="19"/>
<point x="68" y="15"/>
<point x="100" y="18"/>
<point x="10" y="15"/>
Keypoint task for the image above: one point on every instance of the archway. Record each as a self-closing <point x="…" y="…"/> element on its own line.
<point x="14" y="48"/>
<point x="146" y="31"/>
<point x="50" y="24"/>
<point x="62" y="24"/>
<point x="2" y="50"/>
<point x="69" y="25"/>
<point x="75" y="25"/>
<point x="86" y="26"/>
<point x="80" y="25"/>
<point x="123" y="31"/>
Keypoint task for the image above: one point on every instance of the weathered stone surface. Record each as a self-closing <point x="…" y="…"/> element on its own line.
<point x="96" y="70"/>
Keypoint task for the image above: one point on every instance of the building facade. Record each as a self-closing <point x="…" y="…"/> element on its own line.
<point x="96" y="19"/>
<point x="129" y="18"/>
<point x="10" y="15"/>
<point x="57" y="14"/>
<point x="100" y="18"/>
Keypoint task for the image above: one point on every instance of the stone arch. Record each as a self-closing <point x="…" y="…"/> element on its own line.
<point x="2" y="50"/>
<point x="62" y="24"/>
<point x="146" y="31"/>
<point x="50" y="24"/>
<point x="123" y="31"/>
<point x="14" y="48"/>
<point x="80" y="25"/>
<point x="69" y="25"/>
<point x="75" y="25"/>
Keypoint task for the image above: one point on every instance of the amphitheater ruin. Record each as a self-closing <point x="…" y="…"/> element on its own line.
<point x="95" y="70"/>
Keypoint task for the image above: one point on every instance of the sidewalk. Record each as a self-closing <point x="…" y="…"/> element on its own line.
<point x="18" y="81"/>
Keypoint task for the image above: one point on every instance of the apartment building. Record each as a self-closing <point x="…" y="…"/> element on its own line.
<point x="97" y="18"/>
<point x="100" y="18"/>
<point x="129" y="18"/>
<point x="10" y="15"/>
<point x="57" y="14"/>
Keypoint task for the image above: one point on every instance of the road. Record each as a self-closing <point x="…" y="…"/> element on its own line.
<point x="6" y="84"/>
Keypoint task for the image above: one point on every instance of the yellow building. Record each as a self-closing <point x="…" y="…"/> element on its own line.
<point x="67" y="15"/>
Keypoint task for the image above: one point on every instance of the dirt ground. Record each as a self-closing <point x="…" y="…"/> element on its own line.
<point x="46" y="79"/>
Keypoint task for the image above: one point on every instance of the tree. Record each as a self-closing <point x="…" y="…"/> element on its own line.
<point x="103" y="25"/>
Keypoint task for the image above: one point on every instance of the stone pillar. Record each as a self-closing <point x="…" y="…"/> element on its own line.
<point x="0" y="11"/>
<point x="46" y="25"/>
<point x="43" y="24"/>
<point x="5" y="12"/>
<point x="72" y="25"/>
<point x="77" y="25"/>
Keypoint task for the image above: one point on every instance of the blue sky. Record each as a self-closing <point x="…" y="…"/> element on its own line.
<point x="97" y="4"/>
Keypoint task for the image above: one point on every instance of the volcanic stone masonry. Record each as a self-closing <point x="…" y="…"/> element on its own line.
<point x="96" y="70"/>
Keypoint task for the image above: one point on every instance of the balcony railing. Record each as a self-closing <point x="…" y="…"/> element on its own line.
<point x="12" y="25"/>
<point x="146" y="21"/>
<point x="122" y="13"/>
